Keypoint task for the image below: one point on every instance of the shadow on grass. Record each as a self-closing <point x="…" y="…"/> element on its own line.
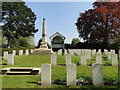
<point x="37" y="83"/>
<point x="3" y="64"/>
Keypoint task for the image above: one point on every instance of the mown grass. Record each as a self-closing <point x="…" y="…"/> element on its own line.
<point x="58" y="72"/>
<point x="37" y="60"/>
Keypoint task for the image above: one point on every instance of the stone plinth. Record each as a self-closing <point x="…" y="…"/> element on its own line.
<point x="42" y="51"/>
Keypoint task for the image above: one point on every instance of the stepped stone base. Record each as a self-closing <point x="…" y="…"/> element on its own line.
<point x="20" y="71"/>
<point x="42" y="51"/>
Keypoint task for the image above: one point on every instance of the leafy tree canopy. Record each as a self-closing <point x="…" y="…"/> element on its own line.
<point x="100" y="24"/>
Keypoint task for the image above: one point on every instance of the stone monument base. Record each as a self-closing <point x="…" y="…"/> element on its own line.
<point x="42" y="51"/>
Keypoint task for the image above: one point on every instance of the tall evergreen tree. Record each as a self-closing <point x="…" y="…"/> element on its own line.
<point x="18" y="21"/>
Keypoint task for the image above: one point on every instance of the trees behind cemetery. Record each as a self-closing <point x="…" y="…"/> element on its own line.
<point x="18" y="21"/>
<point x="100" y="24"/>
<point x="75" y="41"/>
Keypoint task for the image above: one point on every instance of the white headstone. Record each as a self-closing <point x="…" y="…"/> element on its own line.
<point x="79" y="52"/>
<point x="14" y="52"/>
<point x="114" y="59"/>
<point x="119" y="54"/>
<point x="68" y="59"/>
<point x="88" y="55"/>
<point x="99" y="51"/>
<point x="46" y="74"/>
<point x="93" y="52"/>
<point x="109" y="56"/>
<point x="112" y="51"/>
<point x="83" y="60"/>
<point x="71" y="74"/>
<point x="97" y="75"/>
<point x="65" y="52"/>
<point x="10" y="60"/>
<point x="105" y="51"/>
<point x="5" y="55"/>
<point x="83" y="51"/>
<point x="20" y="52"/>
<point x="119" y="75"/>
<point x="71" y="51"/>
<point x="53" y="59"/>
<point x="31" y="50"/>
<point x="27" y="52"/>
<point x="98" y="59"/>
<point x="60" y="52"/>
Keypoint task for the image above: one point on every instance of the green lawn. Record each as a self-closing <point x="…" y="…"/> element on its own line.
<point x="37" y="60"/>
<point x="110" y="73"/>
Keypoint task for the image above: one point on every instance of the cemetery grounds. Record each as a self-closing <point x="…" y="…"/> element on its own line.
<point x="110" y="73"/>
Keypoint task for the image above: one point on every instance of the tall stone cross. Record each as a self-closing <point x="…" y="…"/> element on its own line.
<point x="44" y="41"/>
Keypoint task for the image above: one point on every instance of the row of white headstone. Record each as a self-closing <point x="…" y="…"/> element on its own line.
<point x="83" y="59"/>
<point x="10" y="57"/>
<point x="89" y="52"/>
<point x="71" y="74"/>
